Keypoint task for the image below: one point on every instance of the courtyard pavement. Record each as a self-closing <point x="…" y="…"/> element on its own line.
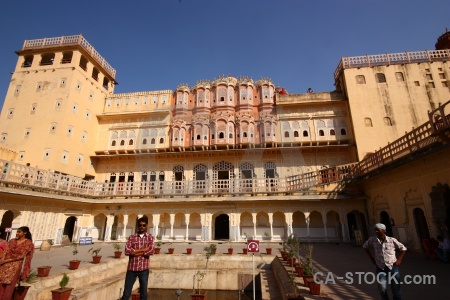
<point x="335" y="258"/>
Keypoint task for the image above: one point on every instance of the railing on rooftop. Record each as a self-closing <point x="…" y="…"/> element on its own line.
<point x="390" y="59"/>
<point x="67" y="41"/>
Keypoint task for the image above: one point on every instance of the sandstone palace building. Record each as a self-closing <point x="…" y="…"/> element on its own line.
<point x="228" y="157"/>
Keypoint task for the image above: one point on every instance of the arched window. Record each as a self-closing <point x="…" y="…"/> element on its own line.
<point x="221" y="135"/>
<point x="144" y="142"/>
<point x="296" y="133"/>
<point x="321" y="133"/>
<point x="161" y="141"/>
<point x="198" y="136"/>
<point x="399" y="76"/>
<point x="368" y="122"/>
<point x="230" y="136"/>
<point x="305" y="133"/>
<point x="343" y="131"/>
<point x="130" y="142"/>
<point x="286" y="134"/>
<point x="122" y="142"/>
<point x="153" y="141"/>
<point x="244" y="134"/>
<point x="380" y="78"/>
<point x="113" y="143"/>
<point x="332" y="132"/>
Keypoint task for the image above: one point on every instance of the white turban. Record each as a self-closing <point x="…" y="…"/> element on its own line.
<point x="380" y="226"/>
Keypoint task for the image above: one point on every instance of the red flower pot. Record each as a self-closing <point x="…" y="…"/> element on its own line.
<point x="269" y="250"/>
<point x="20" y="292"/>
<point x="171" y="250"/>
<point x="230" y="250"/>
<point x="314" y="288"/>
<point x="43" y="271"/>
<point x="96" y="259"/>
<point x="74" y="264"/>
<point x="188" y="250"/>
<point x="61" y="294"/>
<point x="244" y="250"/>
<point x="117" y="254"/>
<point x="157" y="250"/>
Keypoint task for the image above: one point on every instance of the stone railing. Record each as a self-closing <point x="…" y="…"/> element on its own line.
<point x="390" y="59"/>
<point x="70" y="40"/>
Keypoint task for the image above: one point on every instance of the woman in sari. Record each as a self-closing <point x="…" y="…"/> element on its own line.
<point x="3" y="243"/>
<point x="20" y="248"/>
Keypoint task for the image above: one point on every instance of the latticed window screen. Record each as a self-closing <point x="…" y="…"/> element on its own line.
<point x="200" y="172"/>
<point x="246" y="170"/>
<point x="223" y="166"/>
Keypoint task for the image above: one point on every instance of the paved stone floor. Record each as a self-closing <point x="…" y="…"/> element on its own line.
<point x="338" y="259"/>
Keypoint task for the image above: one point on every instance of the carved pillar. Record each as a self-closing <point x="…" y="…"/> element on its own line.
<point x="254" y="225"/>
<point x="186" y="220"/>
<point x="307" y="224"/>
<point x="124" y="230"/>
<point x="109" y="223"/>
<point x="324" y="219"/>
<point x="289" y="229"/>
<point x="156" y="220"/>
<point x="172" y="221"/>
<point x="271" y="225"/>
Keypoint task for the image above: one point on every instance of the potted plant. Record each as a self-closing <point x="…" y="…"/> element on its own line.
<point x="188" y="250"/>
<point x="46" y="245"/>
<point x="158" y="245"/>
<point x="95" y="257"/>
<point x="294" y="295"/>
<point x="210" y="250"/>
<point x="20" y="291"/>
<point x="198" y="293"/>
<point x="230" y="250"/>
<point x="117" y="250"/>
<point x="75" y="263"/>
<point x="307" y="265"/>
<point x="43" y="271"/>
<point x="171" y="250"/>
<point x="63" y="293"/>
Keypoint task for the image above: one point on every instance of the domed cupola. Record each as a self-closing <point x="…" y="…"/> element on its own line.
<point x="443" y="41"/>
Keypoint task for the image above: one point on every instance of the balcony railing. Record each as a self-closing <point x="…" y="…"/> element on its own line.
<point x="70" y="40"/>
<point x="428" y="134"/>
<point x="390" y="59"/>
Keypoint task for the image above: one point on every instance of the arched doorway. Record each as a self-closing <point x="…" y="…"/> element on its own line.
<point x="222" y="227"/>
<point x="357" y="224"/>
<point x="69" y="227"/>
<point x="386" y="220"/>
<point x="421" y="224"/>
<point x="7" y="219"/>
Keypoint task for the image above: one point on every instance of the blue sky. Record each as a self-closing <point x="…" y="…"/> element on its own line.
<point x="157" y="45"/>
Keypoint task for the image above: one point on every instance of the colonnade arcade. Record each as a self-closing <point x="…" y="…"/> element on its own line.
<point x="226" y="225"/>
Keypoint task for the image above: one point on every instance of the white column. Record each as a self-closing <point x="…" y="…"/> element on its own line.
<point x="307" y="224"/>
<point x="186" y="220"/>
<point x="124" y="230"/>
<point x="109" y="222"/>
<point x="271" y="225"/>
<point x="172" y="221"/>
<point x="254" y="225"/>
<point x="324" y="219"/>
<point x="289" y="230"/>
<point x="156" y="220"/>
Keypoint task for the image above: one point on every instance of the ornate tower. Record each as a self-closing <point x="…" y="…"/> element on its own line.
<point x="49" y="115"/>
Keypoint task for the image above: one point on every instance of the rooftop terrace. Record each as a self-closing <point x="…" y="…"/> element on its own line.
<point x="71" y="40"/>
<point x="390" y="59"/>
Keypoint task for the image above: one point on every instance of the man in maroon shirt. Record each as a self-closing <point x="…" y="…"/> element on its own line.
<point x="139" y="246"/>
